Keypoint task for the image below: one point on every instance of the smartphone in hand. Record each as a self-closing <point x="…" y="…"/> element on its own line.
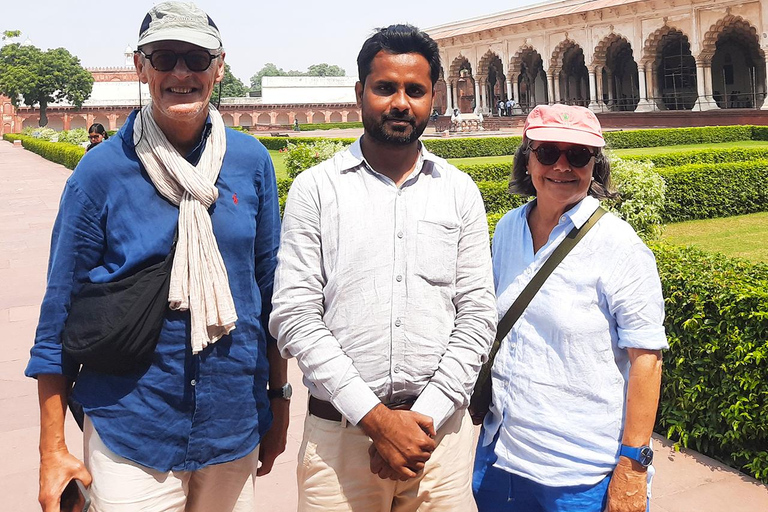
<point x="75" y="497"/>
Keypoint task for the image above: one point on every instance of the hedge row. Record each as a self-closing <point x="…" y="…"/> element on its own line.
<point x="62" y="153"/>
<point x="497" y="198"/>
<point x="329" y="126"/>
<point x="677" y="136"/>
<point x="714" y="391"/>
<point x="488" y="172"/>
<point x="701" y="156"/>
<point x="704" y="191"/>
<point x="278" y="143"/>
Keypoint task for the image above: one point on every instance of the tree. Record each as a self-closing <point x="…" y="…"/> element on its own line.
<point x="11" y="34"/>
<point x="271" y="69"/>
<point x="325" y="70"/>
<point x="231" y="86"/>
<point x="42" y="77"/>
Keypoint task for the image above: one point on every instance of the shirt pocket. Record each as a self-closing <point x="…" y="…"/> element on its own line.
<point x="437" y="247"/>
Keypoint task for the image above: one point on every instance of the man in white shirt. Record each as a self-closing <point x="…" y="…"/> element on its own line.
<point x="384" y="294"/>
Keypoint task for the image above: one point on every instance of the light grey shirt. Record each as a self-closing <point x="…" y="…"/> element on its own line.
<point x="385" y="293"/>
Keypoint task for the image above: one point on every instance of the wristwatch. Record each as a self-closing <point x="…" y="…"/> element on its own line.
<point x="285" y="392"/>
<point x="642" y="454"/>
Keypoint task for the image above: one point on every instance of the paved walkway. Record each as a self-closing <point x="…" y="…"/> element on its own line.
<point x="29" y="193"/>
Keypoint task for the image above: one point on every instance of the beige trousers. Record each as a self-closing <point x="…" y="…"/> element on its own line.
<point x="120" y="485"/>
<point x="334" y="472"/>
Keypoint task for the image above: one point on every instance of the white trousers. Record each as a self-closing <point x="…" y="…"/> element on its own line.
<point x="120" y="485"/>
<point x="334" y="472"/>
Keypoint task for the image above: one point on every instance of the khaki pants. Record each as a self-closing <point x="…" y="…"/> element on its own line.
<point x="334" y="472"/>
<point x="120" y="485"/>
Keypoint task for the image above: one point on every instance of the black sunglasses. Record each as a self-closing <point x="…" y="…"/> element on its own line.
<point x="577" y="156"/>
<point x="165" y="60"/>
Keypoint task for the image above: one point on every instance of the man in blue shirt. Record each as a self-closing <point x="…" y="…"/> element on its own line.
<point x="186" y="433"/>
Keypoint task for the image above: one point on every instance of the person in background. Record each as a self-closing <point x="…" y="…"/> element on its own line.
<point x="186" y="432"/>
<point x="384" y="295"/>
<point x="96" y="135"/>
<point x="576" y="381"/>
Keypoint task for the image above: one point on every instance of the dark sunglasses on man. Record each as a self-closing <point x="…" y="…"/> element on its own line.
<point x="578" y="156"/>
<point x="165" y="60"/>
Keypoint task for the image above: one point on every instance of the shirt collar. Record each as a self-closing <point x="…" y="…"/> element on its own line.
<point x="579" y="214"/>
<point x="126" y="134"/>
<point x="352" y="159"/>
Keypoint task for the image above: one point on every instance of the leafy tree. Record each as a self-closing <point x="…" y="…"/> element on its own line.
<point x="271" y="69"/>
<point x="11" y="34"/>
<point x="325" y="70"/>
<point x="231" y="86"/>
<point x="42" y="77"/>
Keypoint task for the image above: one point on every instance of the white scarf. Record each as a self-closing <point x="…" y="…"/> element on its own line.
<point x="199" y="281"/>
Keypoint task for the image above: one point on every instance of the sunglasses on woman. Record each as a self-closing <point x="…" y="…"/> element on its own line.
<point x="165" y="60"/>
<point x="577" y="156"/>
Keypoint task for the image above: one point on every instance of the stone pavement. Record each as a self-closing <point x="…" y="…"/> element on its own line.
<point x="29" y="193"/>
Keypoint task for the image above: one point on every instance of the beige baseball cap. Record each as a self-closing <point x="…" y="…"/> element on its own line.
<point x="179" y="21"/>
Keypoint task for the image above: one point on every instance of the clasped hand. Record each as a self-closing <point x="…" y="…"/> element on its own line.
<point x="402" y="441"/>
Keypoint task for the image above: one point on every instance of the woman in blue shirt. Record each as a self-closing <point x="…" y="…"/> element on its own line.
<point x="576" y="381"/>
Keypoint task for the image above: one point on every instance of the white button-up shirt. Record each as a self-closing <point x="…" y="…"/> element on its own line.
<point x="560" y="376"/>
<point x="385" y="293"/>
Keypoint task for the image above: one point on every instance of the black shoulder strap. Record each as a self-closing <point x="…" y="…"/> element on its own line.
<point x="525" y="297"/>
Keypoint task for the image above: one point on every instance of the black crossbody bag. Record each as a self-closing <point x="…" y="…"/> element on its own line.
<point x="480" y="402"/>
<point x="114" y="327"/>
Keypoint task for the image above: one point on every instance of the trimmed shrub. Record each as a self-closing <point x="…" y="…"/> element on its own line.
<point x="300" y="157"/>
<point x="493" y="219"/>
<point x="62" y="153"/>
<point x="641" y="200"/>
<point x="473" y="146"/>
<point x="278" y="143"/>
<point x="714" y="391"/>
<point x="704" y="191"/>
<point x="702" y="156"/>
<point x="329" y="126"/>
<point x="76" y="136"/>
<point x="487" y="172"/>
<point x="676" y="136"/>
<point x="497" y="198"/>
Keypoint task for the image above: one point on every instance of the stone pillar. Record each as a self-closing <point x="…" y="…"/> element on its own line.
<point x="508" y="83"/>
<point x="643" y="105"/>
<point x="556" y="87"/>
<point x="273" y="117"/>
<point x="112" y="121"/>
<point x="516" y="90"/>
<point x="708" y="86"/>
<point x="236" y="118"/>
<point x="551" y="87"/>
<point x="68" y="122"/>
<point x="701" y="102"/>
<point x="344" y="115"/>
<point x="89" y="120"/>
<point x="657" y="99"/>
<point x="593" y="105"/>
<point x="609" y="79"/>
<point x="599" y="87"/>
<point x="477" y="95"/>
<point x="449" y="97"/>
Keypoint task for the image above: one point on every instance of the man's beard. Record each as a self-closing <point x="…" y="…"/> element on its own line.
<point x="377" y="129"/>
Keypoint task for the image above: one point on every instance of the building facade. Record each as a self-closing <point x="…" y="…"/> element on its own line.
<point x="608" y="55"/>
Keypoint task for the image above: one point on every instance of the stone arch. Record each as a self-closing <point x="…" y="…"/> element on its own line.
<point x="7" y="108"/>
<point x="103" y="119"/>
<point x="492" y="69"/>
<point x="569" y="71"/>
<point x="731" y="48"/>
<point x="78" y="121"/>
<point x="668" y="51"/>
<point x="617" y="73"/>
<point x="529" y="79"/>
<point x="556" y="62"/>
<point x="56" y="122"/>
<point x="264" y="118"/>
<point x="120" y="121"/>
<point x="461" y="72"/>
<point x="353" y="117"/>
<point x="246" y="119"/>
<point x="283" y="118"/>
<point x="228" y="119"/>
<point x="318" y="118"/>
<point x="7" y="128"/>
<point x="459" y="63"/>
<point x="336" y="117"/>
<point x="301" y="117"/>
<point x="30" y="122"/>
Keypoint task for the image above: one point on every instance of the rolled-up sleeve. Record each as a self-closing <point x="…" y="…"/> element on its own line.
<point x="77" y="244"/>
<point x="475" y="324"/>
<point x="635" y="300"/>
<point x="298" y="307"/>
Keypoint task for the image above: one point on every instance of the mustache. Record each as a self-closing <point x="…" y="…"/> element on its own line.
<point x="399" y="117"/>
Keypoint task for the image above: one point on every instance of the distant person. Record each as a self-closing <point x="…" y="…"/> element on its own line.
<point x="185" y="428"/>
<point x="296" y="127"/>
<point x="576" y="381"/>
<point x="384" y="295"/>
<point x="500" y="107"/>
<point x="510" y="105"/>
<point x="96" y="135"/>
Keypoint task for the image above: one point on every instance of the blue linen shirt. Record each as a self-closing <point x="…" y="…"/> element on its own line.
<point x="186" y="411"/>
<point x="560" y="376"/>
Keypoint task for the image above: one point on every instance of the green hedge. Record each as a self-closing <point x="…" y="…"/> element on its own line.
<point x="473" y="146"/>
<point x="677" y="136"/>
<point x="62" y="153"/>
<point x="278" y="143"/>
<point x="701" y="156"/>
<point x="704" y="191"/>
<point x="714" y="389"/>
<point x="487" y="172"/>
<point x="497" y="198"/>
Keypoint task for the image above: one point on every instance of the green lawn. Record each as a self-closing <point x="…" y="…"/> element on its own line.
<point x="278" y="160"/>
<point x="632" y="151"/>
<point x="745" y="236"/>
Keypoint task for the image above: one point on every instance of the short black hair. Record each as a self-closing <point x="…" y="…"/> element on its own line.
<point x="520" y="182"/>
<point x="399" y="39"/>
<point x="98" y="128"/>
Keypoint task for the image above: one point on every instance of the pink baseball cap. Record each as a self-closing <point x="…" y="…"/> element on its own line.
<point x="564" y="123"/>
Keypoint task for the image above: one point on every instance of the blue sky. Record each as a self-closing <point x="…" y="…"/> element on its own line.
<point x="293" y="34"/>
